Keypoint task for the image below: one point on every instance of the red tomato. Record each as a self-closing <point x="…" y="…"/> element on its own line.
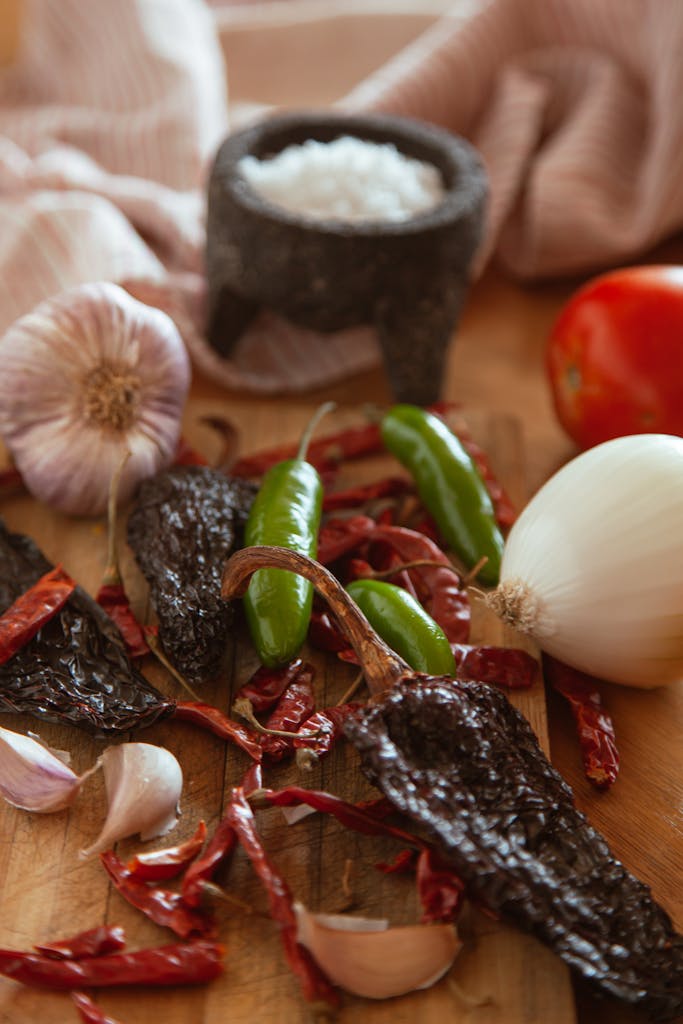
<point x="615" y="356"/>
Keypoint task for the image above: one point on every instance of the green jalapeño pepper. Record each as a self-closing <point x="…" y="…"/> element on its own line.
<point x="403" y="623"/>
<point x="449" y="485"/>
<point x="286" y="512"/>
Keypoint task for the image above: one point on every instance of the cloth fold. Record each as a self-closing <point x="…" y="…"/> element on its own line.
<point x="110" y="115"/>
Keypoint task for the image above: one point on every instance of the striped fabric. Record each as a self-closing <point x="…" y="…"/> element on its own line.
<point x="112" y="110"/>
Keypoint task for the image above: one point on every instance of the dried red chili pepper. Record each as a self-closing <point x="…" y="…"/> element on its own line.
<point x="159" y="865"/>
<point x="594" y="725"/>
<point x="11" y="481"/>
<point x="329" y="723"/>
<point x="93" y="942"/>
<point x="32" y="609"/>
<point x="324" y="633"/>
<point x="403" y="863"/>
<point x="355" y="497"/>
<point x="439" y="589"/>
<point x="265" y="687"/>
<point x="185" y="455"/>
<point x="314" y="985"/>
<point x="440" y="889"/>
<point x="339" y="537"/>
<point x="162" y="906"/>
<point x="188" y="963"/>
<point x="219" y="850"/>
<point x="296" y="704"/>
<point x="326" y="453"/>
<point x="89" y="1011"/>
<point x="506" y="666"/>
<point x="217" y="722"/>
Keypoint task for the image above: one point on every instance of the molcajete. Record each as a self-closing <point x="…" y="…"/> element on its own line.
<point x="406" y="278"/>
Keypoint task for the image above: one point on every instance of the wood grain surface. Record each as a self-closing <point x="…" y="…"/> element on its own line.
<point x="46" y="891"/>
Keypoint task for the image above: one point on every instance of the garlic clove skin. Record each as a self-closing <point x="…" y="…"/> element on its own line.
<point x="32" y="777"/>
<point x="593" y="567"/>
<point x="86" y="376"/>
<point x="143" y="784"/>
<point x="364" y="957"/>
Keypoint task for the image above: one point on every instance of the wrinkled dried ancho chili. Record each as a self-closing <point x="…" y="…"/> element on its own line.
<point x="185" y="523"/>
<point x="76" y="668"/>
<point x="462" y="762"/>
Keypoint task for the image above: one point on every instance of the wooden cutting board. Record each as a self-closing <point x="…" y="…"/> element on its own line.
<point x="46" y="891"/>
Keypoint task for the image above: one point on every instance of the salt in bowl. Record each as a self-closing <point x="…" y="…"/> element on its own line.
<point x="407" y="278"/>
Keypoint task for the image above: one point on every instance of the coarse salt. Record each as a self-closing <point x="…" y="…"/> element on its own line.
<point x="349" y="179"/>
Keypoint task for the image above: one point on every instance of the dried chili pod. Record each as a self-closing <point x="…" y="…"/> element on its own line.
<point x="465" y="765"/>
<point x="184" y="524"/>
<point x="76" y="668"/>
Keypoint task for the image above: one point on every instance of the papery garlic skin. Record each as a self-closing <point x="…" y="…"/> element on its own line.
<point x="599" y="551"/>
<point x="86" y="376"/>
<point x="32" y="778"/>
<point x="143" y="784"/>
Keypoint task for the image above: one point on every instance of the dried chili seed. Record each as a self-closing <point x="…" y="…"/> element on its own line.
<point x="184" y="524"/>
<point x="76" y="668"/>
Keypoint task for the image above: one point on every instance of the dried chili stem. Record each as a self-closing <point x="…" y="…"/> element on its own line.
<point x="112" y="573"/>
<point x="244" y="709"/>
<point x="355" y="685"/>
<point x="474" y="571"/>
<point x="155" y="648"/>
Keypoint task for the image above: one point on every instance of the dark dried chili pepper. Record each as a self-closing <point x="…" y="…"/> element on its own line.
<point x="296" y="704"/>
<point x="167" y="909"/>
<point x="93" y="942"/>
<point x="314" y="985"/>
<point x="507" y="822"/>
<point x="188" y="963"/>
<point x="507" y="666"/>
<point x="184" y="524"/>
<point x="594" y="726"/>
<point x="160" y="865"/>
<point x="216" y="721"/>
<point x="461" y="761"/>
<point x="32" y="609"/>
<point x="76" y="668"/>
<point x="89" y="1011"/>
<point x="265" y="687"/>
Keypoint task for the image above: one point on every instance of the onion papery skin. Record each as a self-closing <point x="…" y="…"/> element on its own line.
<point x="66" y="459"/>
<point x="600" y="549"/>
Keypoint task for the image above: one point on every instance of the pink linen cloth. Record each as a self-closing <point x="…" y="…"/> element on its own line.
<point x="113" y="109"/>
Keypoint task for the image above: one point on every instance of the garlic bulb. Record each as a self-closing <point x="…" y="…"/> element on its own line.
<point x="143" y="784"/>
<point x="85" y="376"/>
<point x="593" y="567"/>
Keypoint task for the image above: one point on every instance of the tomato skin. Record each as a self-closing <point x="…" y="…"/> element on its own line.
<point x="614" y="356"/>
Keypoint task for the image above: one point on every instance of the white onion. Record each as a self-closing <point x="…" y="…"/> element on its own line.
<point x="593" y="567"/>
<point x="86" y="376"/>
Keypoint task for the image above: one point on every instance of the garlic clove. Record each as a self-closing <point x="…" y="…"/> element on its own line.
<point x="143" y="784"/>
<point x="34" y="778"/>
<point x="366" y="958"/>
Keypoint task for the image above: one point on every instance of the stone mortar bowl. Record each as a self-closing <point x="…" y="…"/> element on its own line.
<point x="406" y="278"/>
